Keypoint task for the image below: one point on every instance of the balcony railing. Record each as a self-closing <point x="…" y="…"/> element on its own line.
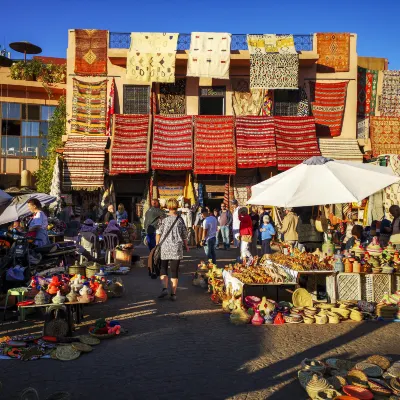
<point x="119" y="40"/>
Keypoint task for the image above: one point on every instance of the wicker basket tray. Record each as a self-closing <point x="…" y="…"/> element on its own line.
<point x="377" y="285"/>
<point x="349" y="286"/>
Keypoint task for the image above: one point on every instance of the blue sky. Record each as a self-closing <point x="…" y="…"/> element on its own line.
<point x="46" y="22"/>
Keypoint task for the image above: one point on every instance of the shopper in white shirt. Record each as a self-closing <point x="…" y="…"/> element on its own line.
<point x="209" y="234"/>
<point x="236" y="224"/>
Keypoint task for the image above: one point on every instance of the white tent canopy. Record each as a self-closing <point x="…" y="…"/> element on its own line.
<point x="320" y="181"/>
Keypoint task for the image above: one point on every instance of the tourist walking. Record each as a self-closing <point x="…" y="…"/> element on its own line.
<point x="172" y="236"/>
<point x="289" y="227"/>
<point x="246" y="234"/>
<point x="236" y="224"/>
<point x="121" y="213"/>
<point x="225" y="222"/>
<point x="152" y="220"/>
<point x="216" y="215"/>
<point x="255" y="220"/>
<point x="198" y="227"/>
<point x="267" y="232"/>
<point x="209" y="234"/>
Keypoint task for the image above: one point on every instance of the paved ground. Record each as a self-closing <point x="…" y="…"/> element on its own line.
<point x="189" y="350"/>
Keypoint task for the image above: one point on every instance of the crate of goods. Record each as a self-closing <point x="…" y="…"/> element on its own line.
<point x="349" y="286"/>
<point x="377" y="285"/>
<point x="123" y="257"/>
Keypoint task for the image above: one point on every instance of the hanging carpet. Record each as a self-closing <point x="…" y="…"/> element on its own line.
<point x="209" y="55"/>
<point x="255" y="142"/>
<point x="363" y="127"/>
<point x="91" y="52"/>
<point x="89" y="107"/>
<point x="173" y="98"/>
<point x="242" y="183"/>
<point x="296" y="140"/>
<point x="328" y="101"/>
<point x="334" y="52"/>
<point x="129" y="148"/>
<point x="84" y="162"/>
<point x="385" y="135"/>
<point x="268" y="102"/>
<point x="390" y="100"/>
<point x="172" y="143"/>
<point x="214" y="149"/>
<point x="246" y="101"/>
<point x="151" y="57"/>
<point x="340" y="149"/>
<point x="367" y="84"/>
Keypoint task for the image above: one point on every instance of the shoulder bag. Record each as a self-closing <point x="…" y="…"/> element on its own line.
<point x="154" y="260"/>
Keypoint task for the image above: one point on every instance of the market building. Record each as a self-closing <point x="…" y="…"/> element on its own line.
<point x="320" y="81"/>
<point x="27" y="106"/>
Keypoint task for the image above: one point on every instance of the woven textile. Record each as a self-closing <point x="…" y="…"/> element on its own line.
<point x="89" y="107"/>
<point x="173" y="98"/>
<point x="271" y="43"/>
<point x="362" y="127"/>
<point x="214" y="149"/>
<point x="172" y="143"/>
<point x="340" y="149"/>
<point x="334" y="52"/>
<point x="110" y="107"/>
<point x="268" y="102"/>
<point x="91" y="52"/>
<point x="390" y="100"/>
<point x="246" y="101"/>
<point x="129" y="149"/>
<point x="151" y="57"/>
<point x="298" y="106"/>
<point x="242" y="183"/>
<point x="367" y="85"/>
<point x="296" y="140"/>
<point x="84" y="162"/>
<point x="170" y="188"/>
<point x="328" y="106"/>
<point x="385" y="135"/>
<point x="137" y="99"/>
<point x="209" y="55"/>
<point x="255" y="142"/>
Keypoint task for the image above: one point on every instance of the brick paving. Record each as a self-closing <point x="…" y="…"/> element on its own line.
<point x="189" y="350"/>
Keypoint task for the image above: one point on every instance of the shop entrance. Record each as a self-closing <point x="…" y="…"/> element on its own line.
<point x="212" y="100"/>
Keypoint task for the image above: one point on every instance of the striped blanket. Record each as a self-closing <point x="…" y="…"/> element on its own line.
<point x="214" y="149"/>
<point x="172" y="143"/>
<point x="129" y="148"/>
<point x="255" y="142"/>
<point x="84" y="162"/>
<point x="295" y="140"/>
<point x="89" y="108"/>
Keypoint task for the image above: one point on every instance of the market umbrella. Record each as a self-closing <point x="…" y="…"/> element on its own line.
<point x="17" y="207"/>
<point x="319" y="181"/>
<point x="4" y="197"/>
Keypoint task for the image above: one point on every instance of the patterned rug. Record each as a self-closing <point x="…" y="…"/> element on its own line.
<point x="173" y="98"/>
<point x="91" y="52"/>
<point x="242" y="183"/>
<point x="300" y="107"/>
<point x="129" y="147"/>
<point x="274" y="71"/>
<point x="170" y="188"/>
<point x="89" y="107"/>
<point x="367" y="85"/>
<point x="296" y="140"/>
<point x="246" y="101"/>
<point x="214" y="149"/>
<point x="390" y="100"/>
<point x="362" y="128"/>
<point x="334" y="52"/>
<point x="340" y="149"/>
<point x="385" y="135"/>
<point x="151" y="57"/>
<point x="209" y="55"/>
<point x="328" y="102"/>
<point x="255" y="142"/>
<point x="172" y="143"/>
<point x="84" y="162"/>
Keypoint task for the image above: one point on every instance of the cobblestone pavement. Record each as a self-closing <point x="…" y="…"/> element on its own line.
<point x="189" y="350"/>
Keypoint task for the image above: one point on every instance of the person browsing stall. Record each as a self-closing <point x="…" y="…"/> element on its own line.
<point x="246" y="234"/>
<point x="121" y="213"/>
<point x="225" y="222"/>
<point x="38" y="224"/>
<point x="209" y="234"/>
<point x="267" y="231"/>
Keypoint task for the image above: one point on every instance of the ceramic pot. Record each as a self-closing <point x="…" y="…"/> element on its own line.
<point x="315" y="385"/>
<point x="257" y="318"/>
<point x="58" y="299"/>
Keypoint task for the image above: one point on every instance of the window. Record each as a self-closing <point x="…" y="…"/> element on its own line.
<point x="47" y="113"/>
<point x="31" y="111"/>
<point x="24" y="129"/>
<point x="136" y="99"/>
<point x="11" y="110"/>
<point x="212" y="100"/>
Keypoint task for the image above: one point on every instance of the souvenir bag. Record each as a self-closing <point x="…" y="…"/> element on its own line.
<point x="154" y="260"/>
<point x="318" y="220"/>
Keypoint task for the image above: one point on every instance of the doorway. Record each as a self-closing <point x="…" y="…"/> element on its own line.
<point x="212" y="100"/>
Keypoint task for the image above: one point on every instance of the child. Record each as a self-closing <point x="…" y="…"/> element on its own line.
<point x="267" y="231"/>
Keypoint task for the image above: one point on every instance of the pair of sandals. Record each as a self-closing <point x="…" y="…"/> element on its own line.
<point x="164" y="294"/>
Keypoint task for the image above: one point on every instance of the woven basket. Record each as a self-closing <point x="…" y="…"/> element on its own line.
<point x="77" y="269"/>
<point x="377" y="285"/>
<point x="349" y="286"/>
<point x="101" y="337"/>
<point x="123" y="257"/>
<point x="91" y="270"/>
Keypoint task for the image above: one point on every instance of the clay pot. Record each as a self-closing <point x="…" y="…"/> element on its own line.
<point x="257" y="318"/>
